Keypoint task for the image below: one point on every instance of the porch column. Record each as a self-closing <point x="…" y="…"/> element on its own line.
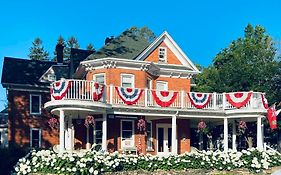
<point x="259" y="133"/>
<point x="62" y="125"/>
<point x="174" y="135"/>
<point x="68" y="140"/>
<point x="88" y="145"/>
<point x="225" y="134"/>
<point x="70" y="135"/>
<point x="104" y="132"/>
<point x="233" y="135"/>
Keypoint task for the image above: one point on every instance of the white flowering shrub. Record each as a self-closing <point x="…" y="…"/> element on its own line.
<point x="46" y="161"/>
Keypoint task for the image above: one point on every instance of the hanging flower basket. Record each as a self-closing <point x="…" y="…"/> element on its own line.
<point x="141" y="125"/>
<point x="202" y="127"/>
<point x="90" y="120"/>
<point x="53" y="123"/>
<point x="242" y="126"/>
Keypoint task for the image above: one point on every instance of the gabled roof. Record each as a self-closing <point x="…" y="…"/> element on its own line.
<point x="58" y="70"/>
<point x="127" y="46"/>
<point x="17" y="71"/>
<point x="165" y="37"/>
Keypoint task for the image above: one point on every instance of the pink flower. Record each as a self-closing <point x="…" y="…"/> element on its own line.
<point x="90" y="120"/>
<point x="141" y="125"/>
<point x="53" y="123"/>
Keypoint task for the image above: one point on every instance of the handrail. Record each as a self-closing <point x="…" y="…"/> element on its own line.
<point x="84" y="90"/>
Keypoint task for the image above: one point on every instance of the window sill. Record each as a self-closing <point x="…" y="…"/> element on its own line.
<point x="149" y="149"/>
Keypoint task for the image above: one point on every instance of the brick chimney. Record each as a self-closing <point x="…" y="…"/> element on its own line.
<point x="59" y="51"/>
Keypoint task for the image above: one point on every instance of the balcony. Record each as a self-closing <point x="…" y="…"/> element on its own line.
<point x="90" y="93"/>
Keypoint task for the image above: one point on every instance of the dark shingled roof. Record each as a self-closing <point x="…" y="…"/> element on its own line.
<point x="23" y="71"/>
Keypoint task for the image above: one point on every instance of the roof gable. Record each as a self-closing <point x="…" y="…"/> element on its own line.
<point x="172" y="45"/>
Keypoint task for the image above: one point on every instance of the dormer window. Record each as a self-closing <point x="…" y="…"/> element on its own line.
<point x="51" y="77"/>
<point x="162" y="54"/>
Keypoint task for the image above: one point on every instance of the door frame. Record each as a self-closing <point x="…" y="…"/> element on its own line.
<point x="165" y="126"/>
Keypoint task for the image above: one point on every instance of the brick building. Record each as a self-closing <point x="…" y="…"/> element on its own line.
<point x="152" y="85"/>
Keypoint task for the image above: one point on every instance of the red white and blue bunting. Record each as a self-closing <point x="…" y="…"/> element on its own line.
<point x="164" y="98"/>
<point x="129" y="96"/>
<point x="264" y="101"/>
<point x="199" y="100"/>
<point x="59" y="89"/>
<point x="97" y="91"/>
<point x="238" y="99"/>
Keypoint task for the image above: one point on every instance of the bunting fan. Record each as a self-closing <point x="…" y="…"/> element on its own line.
<point x="199" y="100"/>
<point x="97" y="91"/>
<point x="264" y="101"/>
<point x="164" y="98"/>
<point x="129" y="96"/>
<point x="59" y="89"/>
<point x="238" y="99"/>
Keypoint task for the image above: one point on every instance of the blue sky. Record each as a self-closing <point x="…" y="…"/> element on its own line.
<point x="201" y="28"/>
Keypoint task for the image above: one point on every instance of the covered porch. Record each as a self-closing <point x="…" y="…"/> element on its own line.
<point x="167" y="132"/>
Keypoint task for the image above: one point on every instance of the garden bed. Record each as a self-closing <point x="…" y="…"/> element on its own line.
<point x="232" y="162"/>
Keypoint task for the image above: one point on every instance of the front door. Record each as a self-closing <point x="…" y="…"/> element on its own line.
<point x="164" y="139"/>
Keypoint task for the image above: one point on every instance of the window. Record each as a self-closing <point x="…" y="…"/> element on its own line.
<point x="149" y="135"/>
<point x="162" y="85"/>
<point x="51" y="77"/>
<point x="162" y="54"/>
<point x="98" y="132"/>
<point x="99" y="78"/>
<point x="35" y="104"/>
<point x="127" y="133"/>
<point x="35" y="138"/>
<point x="127" y="80"/>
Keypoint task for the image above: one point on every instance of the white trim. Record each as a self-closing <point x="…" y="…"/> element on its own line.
<point x="95" y="131"/>
<point x="40" y="135"/>
<point x="30" y="104"/>
<point x="164" y="82"/>
<point x="133" y="132"/>
<point x="162" y="60"/>
<point x="151" y="137"/>
<point x="172" y="45"/>
<point x="127" y="74"/>
<point x="95" y="77"/>
<point x="165" y="126"/>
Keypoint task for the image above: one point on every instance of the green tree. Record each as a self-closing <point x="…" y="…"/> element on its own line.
<point x="72" y="42"/>
<point x="37" y="51"/>
<point x="246" y="64"/>
<point x="91" y="47"/>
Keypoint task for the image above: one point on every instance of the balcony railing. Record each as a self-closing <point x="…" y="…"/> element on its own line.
<point x="84" y="90"/>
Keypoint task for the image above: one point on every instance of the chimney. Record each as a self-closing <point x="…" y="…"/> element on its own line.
<point x="59" y="50"/>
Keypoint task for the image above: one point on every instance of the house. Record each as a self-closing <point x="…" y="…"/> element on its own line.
<point x="28" y="88"/>
<point x="4" y="128"/>
<point x="141" y="102"/>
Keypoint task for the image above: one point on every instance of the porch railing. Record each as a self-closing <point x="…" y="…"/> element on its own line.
<point x="83" y="90"/>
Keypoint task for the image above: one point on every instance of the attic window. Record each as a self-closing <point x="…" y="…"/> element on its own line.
<point x="162" y="54"/>
<point x="51" y="77"/>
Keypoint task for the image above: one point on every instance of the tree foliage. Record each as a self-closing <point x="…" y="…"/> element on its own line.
<point x="91" y="47"/>
<point x="127" y="45"/>
<point x="37" y="51"/>
<point x="248" y="63"/>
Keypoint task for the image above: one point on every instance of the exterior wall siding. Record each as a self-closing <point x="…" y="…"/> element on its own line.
<point x="171" y="57"/>
<point x="20" y="120"/>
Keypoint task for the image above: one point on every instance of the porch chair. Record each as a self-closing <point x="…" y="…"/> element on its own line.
<point x="96" y="147"/>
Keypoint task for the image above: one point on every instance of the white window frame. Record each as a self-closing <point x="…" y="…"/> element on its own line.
<point x="95" y="77"/>
<point x="133" y="133"/>
<point x="167" y="85"/>
<point x="52" y="77"/>
<point x="162" y="60"/>
<point x="30" y="104"/>
<point x="133" y="79"/>
<point x="94" y="132"/>
<point x="151" y="137"/>
<point x="40" y="136"/>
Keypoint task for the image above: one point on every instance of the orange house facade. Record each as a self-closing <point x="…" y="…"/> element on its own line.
<point x="145" y="105"/>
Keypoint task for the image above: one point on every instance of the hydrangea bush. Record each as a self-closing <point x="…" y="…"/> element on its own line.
<point x="47" y="161"/>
